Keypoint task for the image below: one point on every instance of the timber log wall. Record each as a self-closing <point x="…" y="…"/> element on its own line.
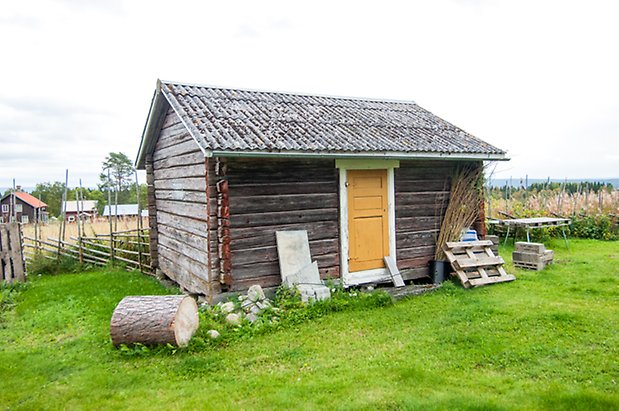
<point x="421" y="197"/>
<point x="270" y="195"/>
<point x="180" y="175"/>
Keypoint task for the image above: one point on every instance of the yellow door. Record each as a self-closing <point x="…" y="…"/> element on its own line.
<point x="368" y="222"/>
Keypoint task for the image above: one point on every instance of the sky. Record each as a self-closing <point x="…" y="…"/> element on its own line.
<point x="539" y="79"/>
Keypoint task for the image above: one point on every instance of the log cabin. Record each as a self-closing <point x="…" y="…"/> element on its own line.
<point x="227" y="168"/>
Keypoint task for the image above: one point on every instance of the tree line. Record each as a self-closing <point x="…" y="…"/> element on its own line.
<point x="117" y="177"/>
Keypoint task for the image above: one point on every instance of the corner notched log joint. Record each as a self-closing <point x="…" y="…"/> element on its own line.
<point x="223" y="224"/>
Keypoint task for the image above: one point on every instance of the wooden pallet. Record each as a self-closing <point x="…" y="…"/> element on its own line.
<point x="475" y="264"/>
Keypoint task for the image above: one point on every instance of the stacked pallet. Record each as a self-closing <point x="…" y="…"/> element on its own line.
<point x="475" y="264"/>
<point x="532" y="256"/>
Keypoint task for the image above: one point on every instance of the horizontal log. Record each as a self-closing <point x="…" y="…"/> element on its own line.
<point x="416" y="239"/>
<point x="179" y="161"/>
<point x="421" y="185"/>
<point x="246" y="163"/>
<point x="183" y="208"/>
<point x="189" y="147"/>
<point x="188" y="224"/>
<point x="437" y="199"/>
<point x="269" y="253"/>
<point x="243" y="238"/>
<point x="416" y="262"/>
<point x="170" y="118"/>
<point x="187" y="262"/>
<point x="196" y="254"/>
<point x="275" y="203"/>
<point x="187" y="184"/>
<point x="182" y="195"/>
<point x="190" y="170"/>
<point x="422" y="210"/>
<point x="408" y="224"/>
<point x="186" y="278"/>
<point x="283" y="177"/>
<point x="284" y="217"/>
<point x="272" y="267"/>
<point x="241" y="189"/>
<point x="412" y="252"/>
<point x="415" y="273"/>
<point x="172" y="135"/>
<point x="198" y="242"/>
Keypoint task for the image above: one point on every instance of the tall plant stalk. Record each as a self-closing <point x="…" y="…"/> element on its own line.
<point x="463" y="207"/>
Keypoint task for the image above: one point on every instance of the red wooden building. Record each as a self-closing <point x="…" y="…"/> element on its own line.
<point x="22" y="207"/>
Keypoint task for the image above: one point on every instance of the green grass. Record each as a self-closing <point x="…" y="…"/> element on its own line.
<point x="546" y="341"/>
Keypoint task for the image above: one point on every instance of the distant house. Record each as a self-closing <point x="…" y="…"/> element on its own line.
<point x="27" y="208"/>
<point x="87" y="210"/>
<point x="124" y="210"/>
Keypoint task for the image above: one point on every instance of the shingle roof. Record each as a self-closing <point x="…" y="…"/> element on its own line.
<point x="243" y="121"/>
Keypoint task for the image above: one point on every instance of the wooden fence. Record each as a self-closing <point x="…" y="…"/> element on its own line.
<point x="130" y="247"/>
<point x="12" y="267"/>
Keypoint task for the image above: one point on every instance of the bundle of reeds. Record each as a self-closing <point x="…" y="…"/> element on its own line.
<point x="463" y="207"/>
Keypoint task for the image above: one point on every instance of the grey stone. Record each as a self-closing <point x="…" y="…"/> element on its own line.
<point x="251" y="317"/>
<point x="322" y="292"/>
<point x="227" y="307"/>
<point x="213" y="334"/>
<point x="233" y="319"/>
<point x="255" y="293"/>
<point x="254" y="309"/>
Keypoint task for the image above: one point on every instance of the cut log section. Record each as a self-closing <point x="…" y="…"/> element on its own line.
<point x="154" y="319"/>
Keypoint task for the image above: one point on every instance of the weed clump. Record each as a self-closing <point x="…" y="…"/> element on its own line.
<point x="287" y="310"/>
<point x="8" y="295"/>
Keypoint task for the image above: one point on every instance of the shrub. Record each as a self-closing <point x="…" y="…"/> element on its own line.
<point x="42" y="265"/>
<point x="599" y="227"/>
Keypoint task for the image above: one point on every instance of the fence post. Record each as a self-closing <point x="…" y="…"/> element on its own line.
<point x="112" y="242"/>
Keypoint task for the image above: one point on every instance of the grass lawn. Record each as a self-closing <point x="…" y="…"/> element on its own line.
<point x="549" y="340"/>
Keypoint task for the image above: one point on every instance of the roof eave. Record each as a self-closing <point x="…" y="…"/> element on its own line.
<point x="393" y="155"/>
<point x="156" y="115"/>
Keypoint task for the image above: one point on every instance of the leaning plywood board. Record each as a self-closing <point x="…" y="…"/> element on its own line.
<point x="475" y="264"/>
<point x="393" y="270"/>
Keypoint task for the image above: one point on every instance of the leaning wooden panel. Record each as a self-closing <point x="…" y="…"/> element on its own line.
<point x="154" y="319"/>
<point x="12" y="267"/>
<point x="17" y="255"/>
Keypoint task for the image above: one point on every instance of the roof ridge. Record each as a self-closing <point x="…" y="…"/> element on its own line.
<point x="290" y="93"/>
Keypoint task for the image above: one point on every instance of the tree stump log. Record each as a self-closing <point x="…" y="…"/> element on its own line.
<point x="154" y="319"/>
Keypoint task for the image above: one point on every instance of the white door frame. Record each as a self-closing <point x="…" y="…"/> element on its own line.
<point x="378" y="274"/>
